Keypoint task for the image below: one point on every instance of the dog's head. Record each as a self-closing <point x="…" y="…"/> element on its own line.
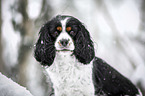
<point x="64" y="33"/>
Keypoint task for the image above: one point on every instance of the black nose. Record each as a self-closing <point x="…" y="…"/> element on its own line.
<point x="64" y="42"/>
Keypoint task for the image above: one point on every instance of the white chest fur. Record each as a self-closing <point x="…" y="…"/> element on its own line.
<point x="70" y="77"/>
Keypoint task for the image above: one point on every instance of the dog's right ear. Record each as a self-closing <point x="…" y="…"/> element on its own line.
<point x="44" y="50"/>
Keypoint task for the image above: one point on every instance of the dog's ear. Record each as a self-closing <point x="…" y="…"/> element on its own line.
<point x="84" y="48"/>
<point x="44" y="50"/>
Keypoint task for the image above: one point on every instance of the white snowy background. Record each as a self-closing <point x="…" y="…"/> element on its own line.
<point x="117" y="28"/>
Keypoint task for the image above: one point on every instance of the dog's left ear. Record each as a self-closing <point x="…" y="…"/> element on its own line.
<point x="84" y="49"/>
<point x="44" y="50"/>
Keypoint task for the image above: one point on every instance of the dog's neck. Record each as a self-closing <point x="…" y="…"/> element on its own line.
<point x="63" y="61"/>
<point x="70" y="77"/>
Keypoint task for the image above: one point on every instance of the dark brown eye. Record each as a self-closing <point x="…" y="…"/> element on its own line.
<point x="59" y="28"/>
<point x="55" y="33"/>
<point x="68" y="29"/>
<point x="72" y="33"/>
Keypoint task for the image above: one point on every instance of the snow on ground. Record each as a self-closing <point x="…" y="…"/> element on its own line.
<point x="10" y="88"/>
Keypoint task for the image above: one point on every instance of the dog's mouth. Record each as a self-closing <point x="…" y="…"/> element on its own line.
<point x="65" y="50"/>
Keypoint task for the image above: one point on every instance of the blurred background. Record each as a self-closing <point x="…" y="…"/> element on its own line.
<point x="117" y="28"/>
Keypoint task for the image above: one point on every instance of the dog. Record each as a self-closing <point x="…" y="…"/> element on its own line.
<point x="65" y="47"/>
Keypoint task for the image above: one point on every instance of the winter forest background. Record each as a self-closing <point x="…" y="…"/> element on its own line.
<point x="117" y="28"/>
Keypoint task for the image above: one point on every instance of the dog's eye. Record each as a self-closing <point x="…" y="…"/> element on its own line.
<point x="55" y="34"/>
<point x="72" y="33"/>
<point x="59" y="28"/>
<point x="68" y="29"/>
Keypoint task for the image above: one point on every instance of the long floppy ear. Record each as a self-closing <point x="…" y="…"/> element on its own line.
<point x="84" y="48"/>
<point x="44" y="50"/>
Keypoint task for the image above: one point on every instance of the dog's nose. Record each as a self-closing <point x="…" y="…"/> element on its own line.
<point x="64" y="42"/>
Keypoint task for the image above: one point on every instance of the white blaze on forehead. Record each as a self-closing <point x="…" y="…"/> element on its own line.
<point x="63" y="23"/>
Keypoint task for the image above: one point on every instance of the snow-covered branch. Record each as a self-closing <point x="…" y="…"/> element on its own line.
<point x="10" y="88"/>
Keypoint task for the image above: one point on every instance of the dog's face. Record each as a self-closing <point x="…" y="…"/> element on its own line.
<point x="64" y="40"/>
<point x="64" y="33"/>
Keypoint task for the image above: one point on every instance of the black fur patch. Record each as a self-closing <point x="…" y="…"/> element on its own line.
<point x="45" y="49"/>
<point x="84" y="48"/>
<point x="109" y="81"/>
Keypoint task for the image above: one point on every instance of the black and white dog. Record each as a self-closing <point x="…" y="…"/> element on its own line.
<point x="66" y="48"/>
